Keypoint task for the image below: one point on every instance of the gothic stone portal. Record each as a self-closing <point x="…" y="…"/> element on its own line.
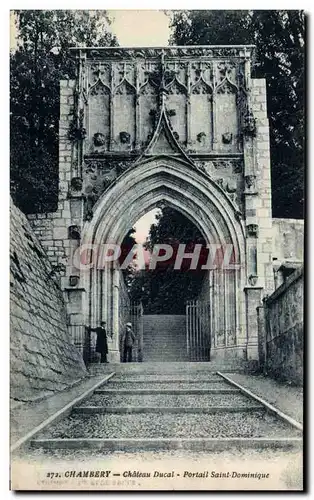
<point x="183" y="126"/>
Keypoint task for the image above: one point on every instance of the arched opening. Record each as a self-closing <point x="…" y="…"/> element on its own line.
<point x="165" y="287"/>
<point x="180" y="188"/>
<point x="163" y="280"/>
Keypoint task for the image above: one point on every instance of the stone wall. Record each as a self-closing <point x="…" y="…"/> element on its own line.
<point x="52" y="229"/>
<point x="43" y="357"/>
<point x="259" y="210"/>
<point x="288" y="239"/>
<point x="281" y="331"/>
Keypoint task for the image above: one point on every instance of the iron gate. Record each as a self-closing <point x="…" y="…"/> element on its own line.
<point x="136" y="318"/>
<point x="198" y="334"/>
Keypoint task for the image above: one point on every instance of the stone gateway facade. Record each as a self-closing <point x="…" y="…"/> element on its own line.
<point x="185" y="127"/>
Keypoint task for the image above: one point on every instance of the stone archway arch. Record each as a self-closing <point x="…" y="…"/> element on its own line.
<point x="174" y="174"/>
<point x="137" y="191"/>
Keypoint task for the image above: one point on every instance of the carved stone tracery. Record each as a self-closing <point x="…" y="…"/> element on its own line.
<point x="174" y="78"/>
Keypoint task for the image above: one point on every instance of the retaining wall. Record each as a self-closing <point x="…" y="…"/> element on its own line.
<point x="43" y="358"/>
<point x="281" y="331"/>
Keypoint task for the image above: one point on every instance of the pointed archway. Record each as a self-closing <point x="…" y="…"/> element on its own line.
<point x="179" y="184"/>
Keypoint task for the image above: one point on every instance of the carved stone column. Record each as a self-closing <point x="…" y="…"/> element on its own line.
<point x="114" y="353"/>
<point x="253" y="297"/>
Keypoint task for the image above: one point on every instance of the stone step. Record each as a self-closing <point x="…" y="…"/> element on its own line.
<point x="167" y="391"/>
<point x="179" y="350"/>
<point x="172" y="386"/>
<point x="169" y="414"/>
<point x="165" y="444"/>
<point x="93" y="410"/>
<point x="168" y="400"/>
<point x="163" y="343"/>
<point x="167" y="378"/>
<point x="153" y="425"/>
<point x="149" y="359"/>
<point x="140" y="382"/>
<point x="158" y="367"/>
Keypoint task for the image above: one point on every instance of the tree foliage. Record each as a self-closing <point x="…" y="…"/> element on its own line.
<point x="279" y="37"/>
<point x="39" y="62"/>
<point x="165" y="289"/>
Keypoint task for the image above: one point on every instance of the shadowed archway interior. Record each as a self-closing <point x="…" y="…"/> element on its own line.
<point x="181" y="187"/>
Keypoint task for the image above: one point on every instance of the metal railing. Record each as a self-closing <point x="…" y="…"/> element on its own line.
<point x="198" y="335"/>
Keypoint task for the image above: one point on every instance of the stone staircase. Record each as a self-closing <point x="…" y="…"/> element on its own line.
<point x="164" y="338"/>
<point x="166" y="406"/>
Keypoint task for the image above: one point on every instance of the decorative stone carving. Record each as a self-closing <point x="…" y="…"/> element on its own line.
<point x="169" y="76"/>
<point x="124" y="71"/>
<point x="125" y="88"/>
<point x="106" y="182"/>
<point x="171" y="112"/>
<point x="148" y="88"/>
<point x="226" y="87"/>
<point x="99" y="72"/>
<point x="77" y="131"/>
<point x="171" y="52"/>
<point x="225" y="69"/>
<point x="238" y="215"/>
<point x="91" y="197"/>
<point x="176" y="135"/>
<point x="200" y="165"/>
<point x="76" y="183"/>
<point x="74" y="280"/>
<point x="220" y="338"/>
<point x="201" y="87"/>
<point x="250" y="183"/>
<point x="146" y="69"/>
<point x="176" y="88"/>
<point x="99" y="139"/>
<point x="161" y="205"/>
<point x="228" y="185"/>
<point x="99" y="89"/>
<point x="88" y="214"/>
<point x="237" y="167"/>
<point x="232" y="337"/>
<point x="232" y="196"/>
<point x="200" y="137"/>
<point x="125" y="137"/>
<point x="227" y="138"/>
<point x="252" y="230"/>
<point x="231" y="186"/>
<point x="74" y="232"/>
<point x="119" y="166"/>
<point x="91" y="166"/>
<point x="155" y="76"/>
<point x="205" y="167"/>
<point x="253" y="279"/>
<point x="249" y="124"/>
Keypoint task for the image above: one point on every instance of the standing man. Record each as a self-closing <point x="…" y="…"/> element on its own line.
<point x="128" y="339"/>
<point x="101" y="342"/>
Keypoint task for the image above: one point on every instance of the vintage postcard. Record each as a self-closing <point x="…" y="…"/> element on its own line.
<point x="157" y="230"/>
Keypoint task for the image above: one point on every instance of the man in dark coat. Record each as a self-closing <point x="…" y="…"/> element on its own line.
<point x="127" y="341"/>
<point x="101" y="342"/>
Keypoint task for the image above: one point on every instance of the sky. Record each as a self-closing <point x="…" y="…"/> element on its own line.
<point x="136" y="28"/>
